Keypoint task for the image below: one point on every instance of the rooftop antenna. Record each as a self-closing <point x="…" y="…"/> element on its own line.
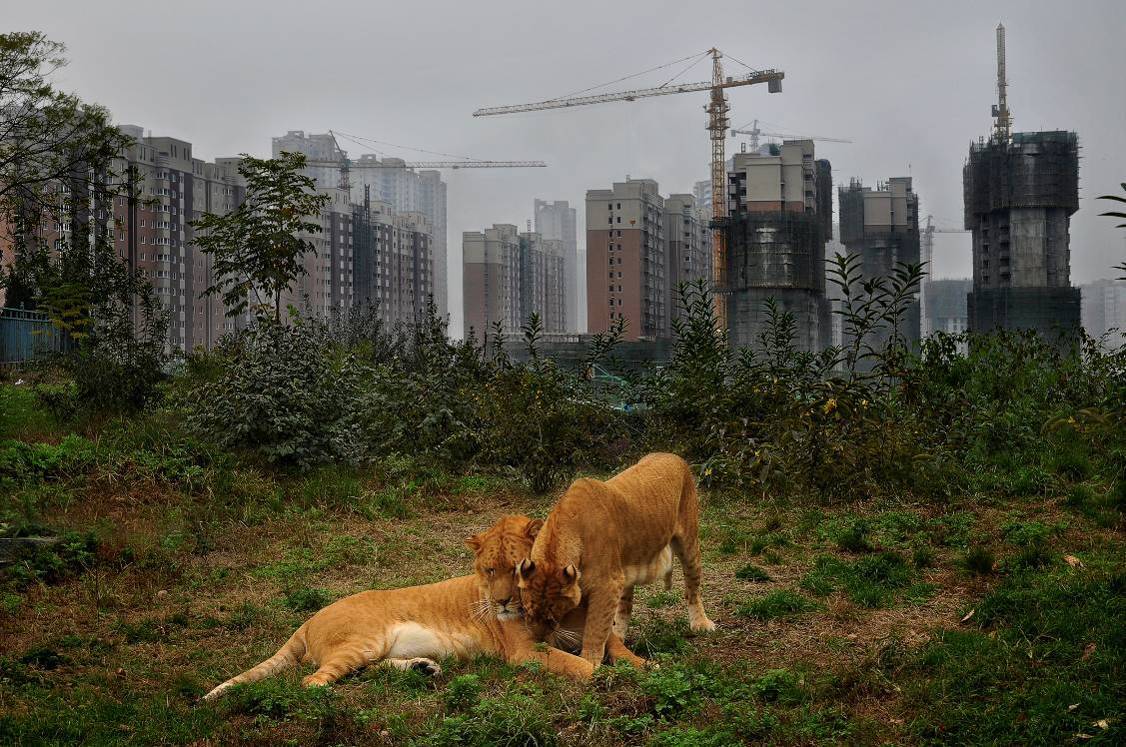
<point x="1001" y="109"/>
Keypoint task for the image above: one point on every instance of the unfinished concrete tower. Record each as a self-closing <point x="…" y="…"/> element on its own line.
<point x="881" y="226"/>
<point x="780" y="208"/>
<point x="1020" y="191"/>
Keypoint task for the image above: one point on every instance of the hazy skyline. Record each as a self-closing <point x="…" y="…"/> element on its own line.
<point x="910" y="83"/>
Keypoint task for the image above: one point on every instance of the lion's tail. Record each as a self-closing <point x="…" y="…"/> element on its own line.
<point x="287" y="656"/>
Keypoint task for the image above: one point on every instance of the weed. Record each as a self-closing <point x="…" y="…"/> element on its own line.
<point x="307" y="600"/>
<point x="751" y="572"/>
<point x="513" y="719"/>
<point x="923" y="557"/>
<point x="854" y="538"/>
<point x="244" y="616"/>
<point x="1080" y="496"/>
<point x="781" y="604"/>
<point x="658" y="637"/>
<point x="463" y="692"/>
<point x="979" y="560"/>
<point x="662" y="599"/>
<point x="872" y="581"/>
<point x="779" y="686"/>
<point x="1070" y="459"/>
<point x="674" y="690"/>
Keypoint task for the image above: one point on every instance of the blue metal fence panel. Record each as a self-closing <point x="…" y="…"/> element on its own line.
<point x="26" y="335"/>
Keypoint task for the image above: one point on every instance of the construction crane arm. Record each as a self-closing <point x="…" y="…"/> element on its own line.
<point x="773" y="77"/>
<point x="791" y="137"/>
<point x="435" y="164"/>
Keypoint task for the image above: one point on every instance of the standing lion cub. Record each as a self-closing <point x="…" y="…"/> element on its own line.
<point x="411" y="627"/>
<point x="602" y="538"/>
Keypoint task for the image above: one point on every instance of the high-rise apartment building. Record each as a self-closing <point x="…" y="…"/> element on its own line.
<point x="543" y="285"/>
<point x="153" y="234"/>
<point x="393" y="262"/>
<point x="689" y="247"/>
<point x="1020" y="192"/>
<point x="321" y="148"/>
<point x="627" y="266"/>
<point x="881" y="227"/>
<point x="557" y="221"/>
<point x="780" y="215"/>
<point x="327" y="286"/>
<point x="386" y="180"/>
<point x="491" y="280"/>
<point x="508" y="276"/>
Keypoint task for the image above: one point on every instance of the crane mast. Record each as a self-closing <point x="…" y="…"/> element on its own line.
<point x="717" y="110"/>
<point x="1001" y="108"/>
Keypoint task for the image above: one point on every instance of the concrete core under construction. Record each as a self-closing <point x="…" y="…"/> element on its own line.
<point x="780" y="208"/>
<point x="881" y="227"/>
<point x="1020" y="194"/>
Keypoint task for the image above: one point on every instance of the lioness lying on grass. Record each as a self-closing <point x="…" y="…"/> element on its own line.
<point x="410" y="628"/>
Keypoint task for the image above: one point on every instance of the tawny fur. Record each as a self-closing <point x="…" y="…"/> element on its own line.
<point x="409" y="628"/>
<point x="496" y="553"/>
<point x="602" y="538"/>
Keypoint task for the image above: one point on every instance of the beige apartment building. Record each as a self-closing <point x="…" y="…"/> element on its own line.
<point x="491" y="280"/>
<point x="626" y="269"/>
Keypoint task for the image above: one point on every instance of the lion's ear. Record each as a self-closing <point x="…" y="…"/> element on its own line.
<point x="525" y="568"/>
<point x="533" y="528"/>
<point x="571" y="574"/>
<point x="474" y="543"/>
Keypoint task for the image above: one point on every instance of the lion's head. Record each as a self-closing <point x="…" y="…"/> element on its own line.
<point x="498" y="549"/>
<point x="547" y="592"/>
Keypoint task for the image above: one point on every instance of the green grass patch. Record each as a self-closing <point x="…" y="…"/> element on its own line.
<point x="871" y="581"/>
<point x="979" y="560"/>
<point x="752" y="572"/>
<point x="777" y="605"/>
<point x="1028" y="674"/>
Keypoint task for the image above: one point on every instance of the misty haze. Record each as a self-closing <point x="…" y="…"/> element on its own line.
<point x="598" y="373"/>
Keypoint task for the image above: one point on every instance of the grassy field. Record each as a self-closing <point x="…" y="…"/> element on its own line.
<point x="986" y="619"/>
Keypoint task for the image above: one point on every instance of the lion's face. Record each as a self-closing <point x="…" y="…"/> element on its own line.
<point x="497" y="550"/>
<point x="547" y="593"/>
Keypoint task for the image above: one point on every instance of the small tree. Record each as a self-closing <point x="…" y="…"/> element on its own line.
<point x="1116" y="214"/>
<point x="257" y="247"/>
<point x="57" y="158"/>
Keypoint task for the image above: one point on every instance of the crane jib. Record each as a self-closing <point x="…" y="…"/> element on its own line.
<point x="773" y="77"/>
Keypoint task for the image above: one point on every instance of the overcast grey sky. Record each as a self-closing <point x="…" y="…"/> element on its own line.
<point x="910" y="82"/>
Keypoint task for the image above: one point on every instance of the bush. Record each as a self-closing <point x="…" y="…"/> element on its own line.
<point x="281" y="390"/>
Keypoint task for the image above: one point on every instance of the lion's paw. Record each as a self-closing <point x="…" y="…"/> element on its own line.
<point x="426" y="666"/>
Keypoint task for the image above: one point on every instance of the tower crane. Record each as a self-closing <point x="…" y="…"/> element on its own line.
<point x="346" y="165"/>
<point x="755" y="133"/>
<point x="717" y="110"/>
<point x="926" y="251"/>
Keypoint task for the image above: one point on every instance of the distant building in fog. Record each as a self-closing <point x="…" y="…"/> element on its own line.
<point x="557" y="221"/>
<point x="384" y="180"/>
<point x="1104" y="308"/>
<point x="689" y="247"/>
<point x="946" y="305"/>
